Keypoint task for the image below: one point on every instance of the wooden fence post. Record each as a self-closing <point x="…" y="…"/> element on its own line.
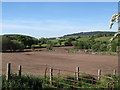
<point x="99" y="73"/>
<point x="114" y="72"/>
<point x="19" y="70"/>
<point x="45" y="72"/>
<point x="8" y="71"/>
<point x="58" y="72"/>
<point x="51" y="75"/>
<point x="77" y="73"/>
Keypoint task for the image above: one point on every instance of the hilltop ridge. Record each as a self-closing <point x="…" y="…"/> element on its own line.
<point x="88" y="33"/>
<point x="82" y="34"/>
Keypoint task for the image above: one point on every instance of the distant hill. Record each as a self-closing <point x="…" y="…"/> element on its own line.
<point x="10" y="34"/>
<point x="82" y="34"/>
<point x="15" y="35"/>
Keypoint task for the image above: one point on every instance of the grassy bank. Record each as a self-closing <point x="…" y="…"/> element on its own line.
<point x="38" y="82"/>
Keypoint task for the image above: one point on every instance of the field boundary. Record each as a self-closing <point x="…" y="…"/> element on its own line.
<point x="51" y="74"/>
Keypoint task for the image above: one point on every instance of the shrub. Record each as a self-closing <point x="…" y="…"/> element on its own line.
<point x="35" y="46"/>
<point x="69" y="41"/>
<point x="113" y="46"/>
<point x="79" y="45"/>
<point x="49" y="45"/>
<point x="42" y="41"/>
<point x="25" y="82"/>
<point x="87" y="44"/>
<point x="103" y="47"/>
<point x="87" y="77"/>
<point x="81" y="80"/>
<point x="60" y="42"/>
<point x="96" y="46"/>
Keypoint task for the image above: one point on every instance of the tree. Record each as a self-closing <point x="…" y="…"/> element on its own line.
<point x="113" y="46"/>
<point x="78" y="37"/>
<point x="42" y="41"/>
<point x="49" y="45"/>
<point x="6" y="43"/>
<point x="12" y="45"/>
<point x="99" y="35"/>
<point x="115" y="19"/>
<point x="103" y="47"/>
<point x="69" y="41"/>
<point x="79" y="44"/>
<point x="26" y="40"/>
<point x="16" y="45"/>
<point x="60" y="42"/>
<point x="96" y="47"/>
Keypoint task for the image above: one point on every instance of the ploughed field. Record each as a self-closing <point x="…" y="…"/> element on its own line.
<point x="34" y="62"/>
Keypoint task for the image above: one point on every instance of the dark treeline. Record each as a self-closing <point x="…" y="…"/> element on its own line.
<point x="84" y="34"/>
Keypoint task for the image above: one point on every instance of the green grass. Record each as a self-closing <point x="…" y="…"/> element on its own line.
<point x="56" y="40"/>
<point x="83" y="39"/>
<point x="38" y="82"/>
<point x="25" y="82"/>
<point x="97" y="39"/>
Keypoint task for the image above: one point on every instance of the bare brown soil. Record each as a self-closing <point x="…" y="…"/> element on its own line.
<point x="34" y="62"/>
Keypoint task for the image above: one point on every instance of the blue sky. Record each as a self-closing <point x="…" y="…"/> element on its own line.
<point x="54" y="19"/>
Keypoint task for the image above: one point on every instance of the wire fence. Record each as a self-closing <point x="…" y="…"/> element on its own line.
<point x="74" y="79"/>
<point x="58" y="74"/>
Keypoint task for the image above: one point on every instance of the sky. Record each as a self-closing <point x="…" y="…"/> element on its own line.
<point x="55" y="19"/>
<point x="60" y="0"/>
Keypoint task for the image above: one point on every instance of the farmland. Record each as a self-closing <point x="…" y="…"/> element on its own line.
<point x="33" y="62"/>
<point x="60" y="45"/>
<point x="91" y="54"/>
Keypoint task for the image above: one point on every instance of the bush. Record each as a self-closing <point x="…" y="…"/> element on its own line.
<point x="69" y="41"/>
<point x="103" y="47"/>
<point x="114" y="46"/>
<point x="79" y="45"/>
<point x="66" y="43"/>
<point x="37" y="83"/>
<point x="87" y="77"/>
<point x="49" y="45"/>
<point x="60" y="42"/>
<point x="96" y="47"/>
<point x="86" y="44"/>
<point x="100" y="46"/>
<point x="42" y="41"/>
<point x="75" y="83"/>
<point x="35" y="46"/>
<point x="25" y="82"/>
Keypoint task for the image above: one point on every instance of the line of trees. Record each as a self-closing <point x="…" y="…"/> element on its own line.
<point x="21" y="42"/>
<point x="17" y="42"/>
<point x="97" y="46"/>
